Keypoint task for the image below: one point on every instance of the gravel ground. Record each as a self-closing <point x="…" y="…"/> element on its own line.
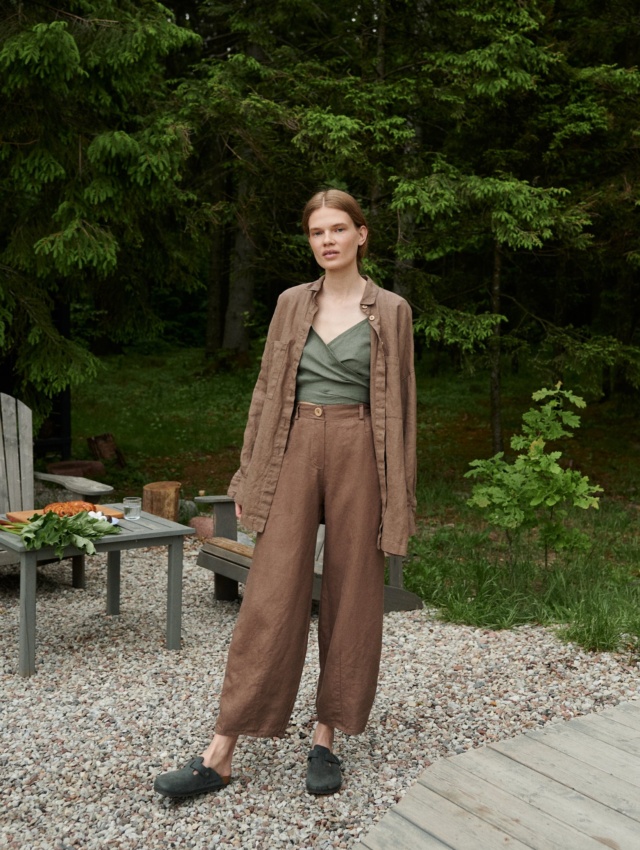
<point x="109" y="708"/>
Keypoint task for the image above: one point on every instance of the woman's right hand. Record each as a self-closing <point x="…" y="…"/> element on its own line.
<point x="238" y="511"/>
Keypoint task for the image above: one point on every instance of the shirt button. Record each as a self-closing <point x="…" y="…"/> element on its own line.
<point x="371" y="317"/>
<point x="318" y="411"/>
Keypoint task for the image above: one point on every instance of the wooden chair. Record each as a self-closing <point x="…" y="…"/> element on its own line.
<point x="17" y="475"/>
<point x="230" y="561"/>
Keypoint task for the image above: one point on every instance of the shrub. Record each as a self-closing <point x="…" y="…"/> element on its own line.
<point x="534" y="492"/>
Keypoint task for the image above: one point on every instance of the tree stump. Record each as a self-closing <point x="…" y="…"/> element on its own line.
<point x="162" y="498"/>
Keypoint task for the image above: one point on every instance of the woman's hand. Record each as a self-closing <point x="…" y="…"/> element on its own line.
<point x="238" y="511"/>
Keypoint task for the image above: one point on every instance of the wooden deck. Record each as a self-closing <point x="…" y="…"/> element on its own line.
<point x="571" y="786"/>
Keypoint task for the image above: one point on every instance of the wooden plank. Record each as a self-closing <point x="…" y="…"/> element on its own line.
<point x="141" y="525"/>
<point x="607" y="721"/>
<point x="76" y="484"/>
<point x="11" y="453"/>
<point x="590" y="751"/>
<point x="610" y="790"/>
<point x="501" y="809"/>
<point x="233" y="560"/>
<point x="582" y="813"/>
<point x="216" y="558"/>
<point x="221" y="546"/>
<point x="393" y="832"/>
<point x="4" y="486"/>
<point x="612" y="733"/>
<point x="225" y="523"/>
<point x="626" y="718"/>
<point x="451" y="824"/>
<point x="25" y="449"/>
<point x="156" y="524"/>
<point x="628" y="708"/>
<point x="224" y="567"/>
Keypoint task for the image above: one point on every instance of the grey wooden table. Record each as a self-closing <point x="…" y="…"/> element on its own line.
<point x="149" y="530"/>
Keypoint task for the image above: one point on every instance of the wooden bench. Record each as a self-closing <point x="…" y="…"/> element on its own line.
<point x="230" y="561"/>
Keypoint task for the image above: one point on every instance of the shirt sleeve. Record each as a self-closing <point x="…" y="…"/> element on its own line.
<point x="236" y="487"/>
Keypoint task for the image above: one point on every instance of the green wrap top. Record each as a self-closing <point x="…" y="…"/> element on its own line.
<point x="337" y="372"/>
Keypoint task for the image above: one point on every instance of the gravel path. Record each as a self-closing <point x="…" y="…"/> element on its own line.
<point x="109" y="708"/>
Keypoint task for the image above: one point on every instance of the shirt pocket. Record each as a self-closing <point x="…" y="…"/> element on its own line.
<point x="278" y="359"/>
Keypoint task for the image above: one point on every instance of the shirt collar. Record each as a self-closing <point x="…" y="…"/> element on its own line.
<point x="370" y="289"/>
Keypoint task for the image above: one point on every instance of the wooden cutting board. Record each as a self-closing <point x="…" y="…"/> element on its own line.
<point x="25" y="516"/>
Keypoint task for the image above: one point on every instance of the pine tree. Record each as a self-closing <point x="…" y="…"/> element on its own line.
<point x="91" y="154"/>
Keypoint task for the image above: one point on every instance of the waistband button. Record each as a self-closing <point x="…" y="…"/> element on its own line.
<point x="318" y="411"/>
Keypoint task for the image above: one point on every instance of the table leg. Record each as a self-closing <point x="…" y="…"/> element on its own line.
<point x="174" y="594"/>
<point x="27" y="643"/>
<point x="113" y="582"/>
<point x="77" y="572"/>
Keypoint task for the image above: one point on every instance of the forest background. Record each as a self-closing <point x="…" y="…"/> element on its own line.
<point x="154" y="160"/>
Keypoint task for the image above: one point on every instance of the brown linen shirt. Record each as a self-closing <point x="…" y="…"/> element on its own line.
<point x="393" y="409"/>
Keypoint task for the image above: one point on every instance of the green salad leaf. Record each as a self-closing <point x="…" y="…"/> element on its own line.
<point x="49" y="529"/>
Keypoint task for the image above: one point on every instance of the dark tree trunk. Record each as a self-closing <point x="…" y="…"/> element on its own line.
<point x="241" y="277"/>
<point x="215" y="298"/>
<point x="495" y="349"/>
<point x="213" y="336"/>
<point x="382" y="38"/>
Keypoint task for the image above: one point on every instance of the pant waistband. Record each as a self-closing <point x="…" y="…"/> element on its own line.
<point x="331" y="411"/>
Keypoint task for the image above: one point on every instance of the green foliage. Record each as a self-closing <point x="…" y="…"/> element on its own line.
<point x="591" y="597"/>
<point x="455" y="328"/>
<point x="511" y="212"/>
<point x="134" y="151"/>
<point x="59" y="532"/>
<point x="92" y="156"/>
<point x="191" y="415"/>
<point x="586" y="355"/>
<point x="534" y="492"/>
<point x="607" y="620"/>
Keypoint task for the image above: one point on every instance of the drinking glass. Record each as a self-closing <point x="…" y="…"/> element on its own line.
<point x="132" y="506"/>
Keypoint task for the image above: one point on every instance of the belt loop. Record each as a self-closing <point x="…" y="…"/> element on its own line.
<point x="361" y="411"/>
<point x="297" y="411"/>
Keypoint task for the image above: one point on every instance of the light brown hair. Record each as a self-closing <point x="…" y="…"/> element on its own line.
<point x="338" y="200"/>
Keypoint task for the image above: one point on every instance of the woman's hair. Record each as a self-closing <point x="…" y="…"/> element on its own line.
<point x="338" y="200"/>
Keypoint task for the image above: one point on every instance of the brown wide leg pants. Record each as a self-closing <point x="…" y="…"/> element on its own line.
<point x="328" y="470"/>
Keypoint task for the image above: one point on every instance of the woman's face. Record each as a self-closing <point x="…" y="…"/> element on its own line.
<point x="335" y="239"/>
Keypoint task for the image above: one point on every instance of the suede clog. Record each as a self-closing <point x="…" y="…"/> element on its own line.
<point x="193" y="778"/>
<point x="323" y="771"/>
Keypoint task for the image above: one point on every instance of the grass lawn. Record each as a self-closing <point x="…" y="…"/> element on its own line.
<point x="174" y="419"/>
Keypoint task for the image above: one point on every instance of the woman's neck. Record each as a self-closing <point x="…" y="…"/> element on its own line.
<point x="344" y="284"/>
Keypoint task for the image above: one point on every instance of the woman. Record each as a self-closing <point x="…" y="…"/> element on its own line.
<point x="330" y="438"/>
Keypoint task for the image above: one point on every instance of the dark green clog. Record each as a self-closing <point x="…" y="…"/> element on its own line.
<point x="323" y="771"/>
<point x="193" y="778"/>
